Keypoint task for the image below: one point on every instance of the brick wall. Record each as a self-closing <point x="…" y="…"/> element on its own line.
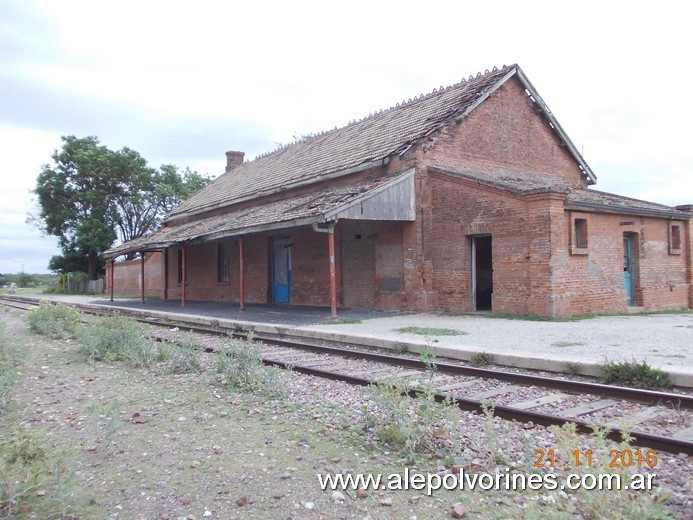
<point x="464" y="210"/>
<point x="503" y="134"/>
<point x="127" y="276"/>
<point x="594" y="282"/>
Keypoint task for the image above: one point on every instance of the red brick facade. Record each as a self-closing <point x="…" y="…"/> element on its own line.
<point x="540" y="255"/>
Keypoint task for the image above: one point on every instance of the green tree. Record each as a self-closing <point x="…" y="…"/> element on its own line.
<point x="147" y="198"/>
<point x="76" y="196"/>
<point x="91" y="196"/>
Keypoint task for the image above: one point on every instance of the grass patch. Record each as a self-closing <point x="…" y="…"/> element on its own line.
<point x="565" y="344"/>
<point x="480" y="359"/>
<point x="534" y="317"/>
<point x="10" y="358"/>
<point x="343" y="321"/>
<point x="450" y="313"/>
<point x="636" y="375"/>
<point x="431" y="331"/>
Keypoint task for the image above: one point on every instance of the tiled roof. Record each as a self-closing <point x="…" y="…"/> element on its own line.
<point x="371" y="139"/>
<point x="577" y="196"/>
<point x="595" y="198"/>
<point x="285" y="213"/>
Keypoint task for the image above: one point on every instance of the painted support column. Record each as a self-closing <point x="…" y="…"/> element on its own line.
<point x="241" y="279"/>
<point x="333" y="275"/>
<point x="112" y="276"/>
<point x="321" y="228"/>
<point x="142" y="255"/>
<point x="184" y="277"/>
<point x="165" y="281"/>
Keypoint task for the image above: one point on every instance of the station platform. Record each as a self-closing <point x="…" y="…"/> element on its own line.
<point x="664" y="341"/>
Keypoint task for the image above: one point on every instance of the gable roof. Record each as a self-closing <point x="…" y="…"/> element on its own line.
<point x="361" y="144"/>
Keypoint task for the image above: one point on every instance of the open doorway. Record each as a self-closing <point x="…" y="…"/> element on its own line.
<point x="482" y="273"/>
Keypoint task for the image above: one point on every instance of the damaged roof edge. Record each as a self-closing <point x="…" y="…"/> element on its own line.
<point x="361" y="167"/>
<point x="627" y="210"/>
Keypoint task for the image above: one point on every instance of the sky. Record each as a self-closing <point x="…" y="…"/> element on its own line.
<point x="183" y="82"/>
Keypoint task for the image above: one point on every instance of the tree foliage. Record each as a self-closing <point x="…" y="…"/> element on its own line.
<point x="91" y="196"/>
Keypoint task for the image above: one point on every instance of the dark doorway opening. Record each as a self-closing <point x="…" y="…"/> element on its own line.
<point x="482" y="273"/>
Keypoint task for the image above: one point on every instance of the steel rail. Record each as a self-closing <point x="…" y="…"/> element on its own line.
<point x="662" y="443"/>
<point x="644" y="439"/>
<point x="681" y="401"/>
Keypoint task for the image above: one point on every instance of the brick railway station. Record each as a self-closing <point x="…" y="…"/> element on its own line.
<point x="470" y="198"/>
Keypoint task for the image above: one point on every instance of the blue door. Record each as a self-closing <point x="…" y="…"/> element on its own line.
<point x="628" y="268"/>
<point x="281" y="269"/>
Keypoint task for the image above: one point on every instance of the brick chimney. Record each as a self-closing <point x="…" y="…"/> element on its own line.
<point x="233" y="159"/>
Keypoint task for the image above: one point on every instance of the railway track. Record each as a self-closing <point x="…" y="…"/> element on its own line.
<point x="657" y="420"/>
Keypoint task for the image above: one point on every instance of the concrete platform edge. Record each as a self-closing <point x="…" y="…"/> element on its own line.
<point x="680" y="376"/>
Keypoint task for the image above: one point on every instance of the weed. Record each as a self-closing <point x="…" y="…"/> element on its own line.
<point x="182" y="356"/>
<point x="427" y="357"/>
<point x="10" y="357"/>
<point x="636" y="375"/>
<point x="492" y="450"/>
<point x="400" y="348"/>
<point x="481" y="359"/>
<point x="106" y="421"/>
<point x="413" y="424"/>
<point x="573" y="369"/>
<point x="241" y="368"/>
<point x="27" y="467"/>
<point x="180" y="360"/>
<point x="119" y="338"/>
<point x="56" y="321"/>
<point x="430" y="331"/>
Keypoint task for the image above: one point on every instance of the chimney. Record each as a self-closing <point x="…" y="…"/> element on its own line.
<point x="233" y="159"/>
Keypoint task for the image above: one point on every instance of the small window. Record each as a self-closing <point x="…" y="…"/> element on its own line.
<point x="674" y="239"/>
<point x="222" y="263"/>
<point x="580" y="233"/>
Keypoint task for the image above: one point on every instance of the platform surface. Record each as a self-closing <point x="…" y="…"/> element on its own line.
<point x="662" y="340"/>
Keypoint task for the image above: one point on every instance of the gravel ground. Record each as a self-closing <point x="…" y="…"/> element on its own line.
<point x="136" y="443"/>
<point x="664" y="340"/>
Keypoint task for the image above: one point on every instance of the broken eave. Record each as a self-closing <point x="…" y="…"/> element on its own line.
<point x="389" y="198"/>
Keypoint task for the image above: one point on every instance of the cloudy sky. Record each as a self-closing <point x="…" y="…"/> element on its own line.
<point x="182" y="82"/>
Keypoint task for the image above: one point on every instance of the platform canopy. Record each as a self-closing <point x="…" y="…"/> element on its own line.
<point x="390" y="197"/>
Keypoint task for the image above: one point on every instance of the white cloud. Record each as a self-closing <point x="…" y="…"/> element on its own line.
<point x="183" y="82"/>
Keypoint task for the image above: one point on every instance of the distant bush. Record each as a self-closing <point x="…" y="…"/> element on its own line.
<point x="56" y="321"/>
